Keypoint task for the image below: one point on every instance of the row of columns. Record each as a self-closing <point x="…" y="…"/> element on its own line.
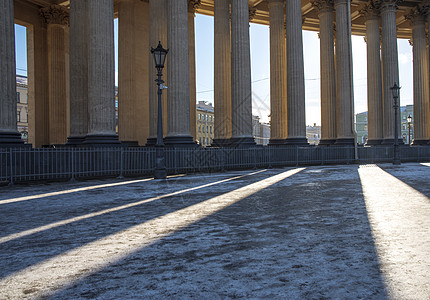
<point x="142" y="24"/>
<point x="421" y="70"/>
<point x="383" y="72"/>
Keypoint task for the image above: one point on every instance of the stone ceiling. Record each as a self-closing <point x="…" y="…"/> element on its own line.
<point x="310" y="15"/>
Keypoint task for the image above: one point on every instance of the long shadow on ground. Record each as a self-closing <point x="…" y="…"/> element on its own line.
<point x="307" y="237"/>
<point x="24" y="252"/>
<point x="415" y="175"/>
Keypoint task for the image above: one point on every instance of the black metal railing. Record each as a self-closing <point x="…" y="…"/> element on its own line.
<point x="26" y="164"/>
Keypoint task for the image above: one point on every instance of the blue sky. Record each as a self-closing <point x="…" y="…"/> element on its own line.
<point x="260" y="71"/>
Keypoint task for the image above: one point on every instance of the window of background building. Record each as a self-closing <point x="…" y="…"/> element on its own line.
<point x="200" y="141"/>
<point x="18" y="97"/>
<point x="207" y="129"/>
<point x="200" y="128"/>
<point x="18" y="116"/>
<point x="211" y="129"/>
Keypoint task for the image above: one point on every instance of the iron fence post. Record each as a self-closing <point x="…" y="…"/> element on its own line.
<point x="297" y="156"/>
<point x="121" y="166"/>
<point x="269" y="157"/>
<point x="72" y="167"/>
<point x="322" y="156"/>
<point x="11" y="167"/>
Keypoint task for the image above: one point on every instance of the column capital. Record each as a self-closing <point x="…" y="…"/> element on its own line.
<point x="389" y="6"/>
<point x="193" y="5"/>
<point x="417" y="16"/>
<point x="55" y="14"/>
<point x="341" y="2"/>
<point x="371" y="10"/>
<point x="323" y="5"/>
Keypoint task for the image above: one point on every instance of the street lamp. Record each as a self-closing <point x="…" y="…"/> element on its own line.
<point x="409" y="128"/>
<point x="395" y="89"/>
<point x="160" y="54"/>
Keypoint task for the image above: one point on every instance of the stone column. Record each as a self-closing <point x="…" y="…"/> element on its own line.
<point x="344" y="88"/>
<point x="278" y="76"/>
<point x="133" y="81"/>
<point x="78" y="71"/>
<point x="157" y="33"/>
<point x="57" y="19"/>
<point x="222" y="76"/>
<point x="101" y="74"/>
<point x="328" y="73"/>
<point x="390" y="67"/>
<point x="178" y="75"/>
<point x="374" y="76"/>
<point x="295" y="75"/>
<point x="9" y="135"/>
<point x="421" y="78"/>
<point x="192" y="6"/>
<point x="241" y="95"/>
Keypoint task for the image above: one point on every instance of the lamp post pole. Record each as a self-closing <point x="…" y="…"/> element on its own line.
<point x="395" y="90"/>
<point x="160" y="165"/>
<point x="409" y="129"/>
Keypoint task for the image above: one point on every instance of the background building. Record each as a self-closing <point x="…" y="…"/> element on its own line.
<point x="22" y="106"/>
<point x="205" y="123"/>
<point x="313" y="133"/>
<point x="405" y="111"/>
<point x="260" y="131"/>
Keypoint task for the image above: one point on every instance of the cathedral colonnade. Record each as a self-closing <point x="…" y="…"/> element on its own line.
<point x="71" y="69"/>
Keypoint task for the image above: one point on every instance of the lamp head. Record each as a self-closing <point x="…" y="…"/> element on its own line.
<point x="159" y="54"/>
<point x="409" y="119"/>
<point x="395" y="89"/>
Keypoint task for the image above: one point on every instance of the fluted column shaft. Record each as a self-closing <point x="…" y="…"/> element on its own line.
<point x="328" y="74"/>
<point x="8" y="129"/>
<point x="178" y="94"/>
<point x="421" y="81"/>
<point x="78" y="71"/>
<point x="241" y="98"/>
<point x="101" y="75"/>
<point x="157" y="33"/>
<point x="278" y="76"/>
<point x="192" y="6"/>
<point x="390" y="67"/>
<point x="295" y="74"/>
<point x="344" y="87"/>
<point x="374" y="80"/>
<point x="222" y="69"/>
<point x="133" y="81"/>
<point x="57" y="19"/>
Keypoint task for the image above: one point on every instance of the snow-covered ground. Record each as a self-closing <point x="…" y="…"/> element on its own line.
<point x="332" y="232"/>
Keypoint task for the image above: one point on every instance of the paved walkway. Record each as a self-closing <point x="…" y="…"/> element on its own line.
<point x="337" y="232"/>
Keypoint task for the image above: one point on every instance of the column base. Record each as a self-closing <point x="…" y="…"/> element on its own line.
<point x="75" y="140"/>
<point x="374" y="142"/>
<point x="11" y="139"/>
<point x="180" y="142"/>
<point x="151" y="141"/>
<point x="220" y="143"/>
<point x="276" y="142"/>
<point x="391" y="142"/>
<point x="345" y="142"/>
<point x="130" y="143"/>
<point x="160" y="173"/>
<point x="101" y="140"/>
<point x="299" y="141"/>
<point x="242" y="142"/>
<point x="326" y="142"/>
<point x="420" y="142"/>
